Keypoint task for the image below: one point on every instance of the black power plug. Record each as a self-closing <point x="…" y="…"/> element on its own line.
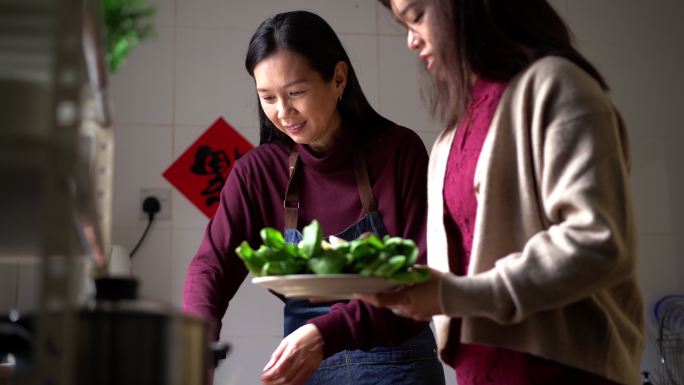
<point x="151" y="206"/>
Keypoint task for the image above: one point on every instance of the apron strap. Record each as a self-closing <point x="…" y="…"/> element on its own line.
<point x="291" y="201"/>
<point x="363" y="184"/>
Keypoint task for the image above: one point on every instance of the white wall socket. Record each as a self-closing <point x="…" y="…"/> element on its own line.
<point x="164" y="196"/>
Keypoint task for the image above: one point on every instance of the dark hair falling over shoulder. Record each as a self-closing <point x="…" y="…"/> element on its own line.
<point x="307" y="34"/>
<point x="494" y="39"/>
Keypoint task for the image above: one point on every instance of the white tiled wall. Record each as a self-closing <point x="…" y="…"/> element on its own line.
<point x="173" y="87"/>
<point x="210" y="77"/>
<point x="363" y="49"/>
<point x="153" y="261"/>
<point x="651" y="185"/>
<point x="399" y="82"/>
<point x="152" y="71"/>
<point x="140" y="152"/>
<point x="166" y="13"/>
<point x="353" y="16"/>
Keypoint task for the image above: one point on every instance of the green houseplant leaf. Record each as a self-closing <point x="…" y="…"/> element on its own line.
<point x="127" y="24"/>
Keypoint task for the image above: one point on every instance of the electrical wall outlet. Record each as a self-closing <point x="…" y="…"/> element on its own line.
<point x="164" y="197"/>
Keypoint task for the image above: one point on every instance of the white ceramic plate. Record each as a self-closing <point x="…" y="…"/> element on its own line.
<point x="328" y="287"/>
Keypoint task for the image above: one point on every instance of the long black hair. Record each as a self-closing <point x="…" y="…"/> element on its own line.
<point x="494" y="39"/>
<point x="307" y="34"/>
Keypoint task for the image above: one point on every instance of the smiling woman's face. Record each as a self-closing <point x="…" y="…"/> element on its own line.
<point x="297" y="100"/>
<point x="417" y="17"/>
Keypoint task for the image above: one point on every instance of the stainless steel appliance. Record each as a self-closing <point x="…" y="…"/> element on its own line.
<point x="122" y="340"/>
<point x="56" y="149"/>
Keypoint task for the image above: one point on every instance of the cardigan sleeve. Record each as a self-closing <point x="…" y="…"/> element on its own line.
<point x="570" y="190"/>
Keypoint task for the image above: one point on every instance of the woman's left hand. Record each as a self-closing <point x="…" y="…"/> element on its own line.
<point x="296" y="358"/>
<point x="420" y="302"/>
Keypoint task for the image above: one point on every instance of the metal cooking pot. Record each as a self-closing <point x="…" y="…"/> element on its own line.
<point x="121" y="340"/>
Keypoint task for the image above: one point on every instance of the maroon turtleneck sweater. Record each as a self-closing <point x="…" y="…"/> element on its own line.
<point x="252" y="199"/>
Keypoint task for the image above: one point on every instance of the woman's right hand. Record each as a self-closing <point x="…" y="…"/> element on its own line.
<point x="419" y="302"/>
<point x="296" y="358"/>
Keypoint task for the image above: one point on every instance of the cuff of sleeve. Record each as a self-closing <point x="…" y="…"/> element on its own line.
<point x="481" y="295"/>
<point x="334" y="331"/>
<point x="207" y="314"/>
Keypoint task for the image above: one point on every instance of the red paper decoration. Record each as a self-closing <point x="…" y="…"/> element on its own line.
<point x="200" y="172"/>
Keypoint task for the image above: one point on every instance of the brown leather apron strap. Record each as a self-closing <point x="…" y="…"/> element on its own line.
<point x="363" y="184"/>
<point x="291" y="201"/>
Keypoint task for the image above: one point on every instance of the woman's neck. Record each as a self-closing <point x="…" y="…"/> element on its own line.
<point x="323" y="146"/>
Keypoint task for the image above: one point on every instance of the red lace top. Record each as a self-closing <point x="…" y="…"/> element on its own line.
<point x="479" y="364"/>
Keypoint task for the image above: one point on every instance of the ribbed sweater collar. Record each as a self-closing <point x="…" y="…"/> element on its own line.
<point x="338" y="156"/>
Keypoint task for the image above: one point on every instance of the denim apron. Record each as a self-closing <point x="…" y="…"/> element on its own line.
<point x="414" y="362"/>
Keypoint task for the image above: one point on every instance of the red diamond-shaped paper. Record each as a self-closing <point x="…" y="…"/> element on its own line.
<point x="200" y="172"/>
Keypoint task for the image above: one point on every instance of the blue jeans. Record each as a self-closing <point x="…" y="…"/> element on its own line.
<point x="412" y="363"/>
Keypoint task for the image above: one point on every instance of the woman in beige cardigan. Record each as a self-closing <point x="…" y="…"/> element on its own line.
<point x="531" y="233"/>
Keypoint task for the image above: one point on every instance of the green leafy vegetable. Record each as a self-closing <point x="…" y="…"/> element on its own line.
<point x="272" y="238"/>
<point x="311" y="239"/>
<point x="389" y="257"/>
<point x="328" y="262"/>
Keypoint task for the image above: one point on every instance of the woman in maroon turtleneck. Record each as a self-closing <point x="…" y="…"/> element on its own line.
<point x="354" y="171"/>
<point x="530" y="223"/>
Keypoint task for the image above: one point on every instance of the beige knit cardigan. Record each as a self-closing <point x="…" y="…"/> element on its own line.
<point x="552" y="269"/>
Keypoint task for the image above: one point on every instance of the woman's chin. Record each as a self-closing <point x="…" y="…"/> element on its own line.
<point x="299" y="139"/>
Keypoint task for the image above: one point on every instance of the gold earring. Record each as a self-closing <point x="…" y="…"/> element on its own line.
<point x="340" y="99"/>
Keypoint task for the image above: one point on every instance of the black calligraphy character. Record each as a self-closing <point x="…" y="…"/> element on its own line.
<point x="215" y="163"/>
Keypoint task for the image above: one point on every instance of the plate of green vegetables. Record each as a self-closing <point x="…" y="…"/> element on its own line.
<point x="333" y="268"/>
